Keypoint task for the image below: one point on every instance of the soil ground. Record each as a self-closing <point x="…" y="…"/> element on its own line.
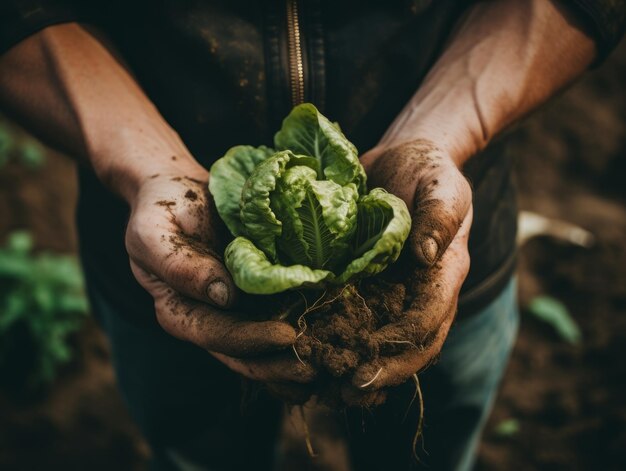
<point x="567" y="400"/>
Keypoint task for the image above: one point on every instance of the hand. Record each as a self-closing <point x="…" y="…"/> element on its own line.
<point x="440" y="201"/>
<point x="175" y="254"/>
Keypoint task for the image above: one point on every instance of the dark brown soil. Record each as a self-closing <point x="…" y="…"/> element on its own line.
<point x="339" y="329"/>
<point x="569" y="400"/>
<point x="336" y="333"/>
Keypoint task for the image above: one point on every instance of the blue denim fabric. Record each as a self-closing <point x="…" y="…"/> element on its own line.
<point x="458" y="392"/>
<point x="474" y="359"/>
<point x="188" y="405"/>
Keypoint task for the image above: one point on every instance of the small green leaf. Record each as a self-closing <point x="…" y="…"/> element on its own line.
<point x="254" y="273"/>
<point x="315" y="233"/>
<point x="306" y="131"/>
<point x="15" y="266"/>
<point x="6" y="140"/>
<point x="20" y="241"/>
<point x="554" y="312"/>
<point x="259" y="221"/>
<point x="286" y="202"/>
<point x="507" y="428"/>
<point x="228" y="176"/>
<point x="383" y="224"/>
<point x="32" y="154"/>
<point x="71" y="302"/>
<point x="13" y="308"/>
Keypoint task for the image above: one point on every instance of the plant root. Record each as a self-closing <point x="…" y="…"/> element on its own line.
<point x="420" y="423"/>
<point x="373" y="379"/>
<point x="307" y="434"/>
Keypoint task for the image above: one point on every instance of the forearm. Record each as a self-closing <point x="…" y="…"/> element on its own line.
<point x="505" y="58"/>
<point x="66" y="86"/>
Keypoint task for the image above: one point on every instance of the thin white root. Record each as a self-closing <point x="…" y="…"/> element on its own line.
<point x="307" y="435"/>
<point x="420" y="424"/>
<point x="297" y="355"/>
<point x="373" y="379"/>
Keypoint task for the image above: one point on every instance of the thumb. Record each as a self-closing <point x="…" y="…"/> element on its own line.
<point x="441" y="203"/>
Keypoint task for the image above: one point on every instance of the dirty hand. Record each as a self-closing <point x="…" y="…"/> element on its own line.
<point x="439" y="199"/>
<point x="175" y="254"/>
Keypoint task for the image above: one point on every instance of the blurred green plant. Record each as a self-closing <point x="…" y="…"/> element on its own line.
<point x="507" y="428"/>
<point x="42" y="301"/>
<point x="19" y="147"/>
<point x="555" y="313"/>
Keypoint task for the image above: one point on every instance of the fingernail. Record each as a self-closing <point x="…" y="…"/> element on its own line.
<point x="429" y="250"/>
<point x="218" y="293"/>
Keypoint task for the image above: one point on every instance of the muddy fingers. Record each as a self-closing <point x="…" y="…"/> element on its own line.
<point x="280" y="368"/>
<point x="220" y="331"/>
<point x="391" y="371"/>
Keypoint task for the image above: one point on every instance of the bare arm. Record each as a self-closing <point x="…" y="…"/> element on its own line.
<point x="505" y="58"/>
<point x="66" y="85"/>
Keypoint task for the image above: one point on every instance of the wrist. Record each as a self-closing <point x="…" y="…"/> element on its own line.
<point x="424" y="146"/>
<point x="128" y="158"/>
<point x="454" y="137"/>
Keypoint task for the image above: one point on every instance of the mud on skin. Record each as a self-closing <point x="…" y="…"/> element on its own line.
<point x="339" y="329"/>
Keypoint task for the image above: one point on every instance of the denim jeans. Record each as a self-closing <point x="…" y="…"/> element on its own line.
<point x="189" y="406"/>
<point x="458" y="395"/>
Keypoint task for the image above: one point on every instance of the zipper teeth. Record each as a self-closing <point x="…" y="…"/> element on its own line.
<point x="296" y="66"/>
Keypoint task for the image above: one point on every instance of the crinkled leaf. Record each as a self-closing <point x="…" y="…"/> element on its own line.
<point x="228" y="176"/>
<point x="257" y="215"/>
<point x="259" y="221"/>
<point x="306" y="131"/>
<point x="317" y="216"/>
<point x="555" y="313"/>
<point x="383" y="224"/>
<point x="285" y="201"/>
<point x="338" y="206"/>
<point x="300" y="214"/>
<point x="254" y="273"/>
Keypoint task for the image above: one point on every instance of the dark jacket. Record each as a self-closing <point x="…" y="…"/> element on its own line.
<point x="219" y="72"/>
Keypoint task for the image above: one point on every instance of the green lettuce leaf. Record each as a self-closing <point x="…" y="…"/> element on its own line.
<point x="306" y="131"/>
<point x="258" y="218"/>
<point x="302" y="216"/>
<point x="383" y="224"/>
<point x="338" y="207"/>
<point x="228" y="176"/>
<point x="318" y="218"/>
<point x="254" y="273"/>
<point x="286" y="202"/>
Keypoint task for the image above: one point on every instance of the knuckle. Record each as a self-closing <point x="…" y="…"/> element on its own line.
<point x="140" y="233"/>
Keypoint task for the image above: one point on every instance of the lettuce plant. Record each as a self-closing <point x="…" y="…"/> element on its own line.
<point x="301" y="214"/>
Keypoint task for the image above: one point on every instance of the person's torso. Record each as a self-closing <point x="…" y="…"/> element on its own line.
<point x="226" y="73"/>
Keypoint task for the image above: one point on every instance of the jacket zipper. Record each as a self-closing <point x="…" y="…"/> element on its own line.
<point x="294" y="48"/>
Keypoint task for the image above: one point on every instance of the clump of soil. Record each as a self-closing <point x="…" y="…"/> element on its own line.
<point x="336" y="333"/>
